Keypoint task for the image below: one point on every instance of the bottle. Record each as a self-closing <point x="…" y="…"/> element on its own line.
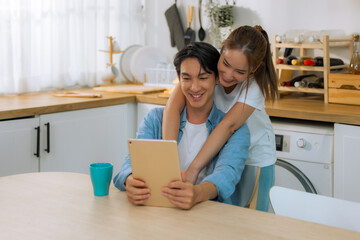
<point x="319" y="61"/>
<point x="280" y="38"/>
<point x="280" y="60"/>
<point x="354" y="67"/>
<point x="294" y="80"/>
<point x="289" y="59"/>
<point x="299" y="61"/>
<point x="314" y="38"/>
<point x="299" y="38"/>
<point x="311" y="82"/>
<point x="309" y="62"/>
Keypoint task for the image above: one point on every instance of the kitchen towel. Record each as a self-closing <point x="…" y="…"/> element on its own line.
<point x="175" y="27"/>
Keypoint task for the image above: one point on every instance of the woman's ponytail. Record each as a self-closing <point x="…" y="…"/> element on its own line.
<point x="269" y="69"/>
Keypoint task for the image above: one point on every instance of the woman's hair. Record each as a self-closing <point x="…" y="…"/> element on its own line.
<point x="207" y="55"/>
<point x="254" y="43"/>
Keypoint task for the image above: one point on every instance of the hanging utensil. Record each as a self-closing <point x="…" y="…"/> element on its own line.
<point x="201" y="30"/>
<point x="189" y="34"/>
<point x="175" y="27"/>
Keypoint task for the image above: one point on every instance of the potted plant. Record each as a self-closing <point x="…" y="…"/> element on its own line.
<point x="221" y="21"/>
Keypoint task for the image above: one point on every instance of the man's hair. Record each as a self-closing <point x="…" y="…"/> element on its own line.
<point x="207" y="55"/>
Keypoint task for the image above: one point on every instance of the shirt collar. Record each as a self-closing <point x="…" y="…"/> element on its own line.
<point x="209" y="123"/>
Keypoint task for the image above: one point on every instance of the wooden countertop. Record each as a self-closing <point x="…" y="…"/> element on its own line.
<point x="311" y="108"/>
<point x="314" y="110"/>
<point x="54" y="205"/>
<point x="14" y="106"/>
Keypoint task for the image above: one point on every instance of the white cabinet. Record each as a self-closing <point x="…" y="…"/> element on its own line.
<point x="18" y="146"/>
<point x="143" y="109"/>
<point x="69" y="141"/>
<point x="78" y="138"/>
<point x="347" y="162"/>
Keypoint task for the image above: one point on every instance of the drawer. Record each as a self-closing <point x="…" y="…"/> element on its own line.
<point x="344" y="88"/>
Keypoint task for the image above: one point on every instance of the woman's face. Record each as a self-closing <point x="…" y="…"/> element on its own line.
<point x="233" y="67"/>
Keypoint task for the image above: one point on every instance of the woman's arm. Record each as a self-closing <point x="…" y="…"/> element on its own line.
<point x="171" y="115"/>
<point x="235" y="118"/>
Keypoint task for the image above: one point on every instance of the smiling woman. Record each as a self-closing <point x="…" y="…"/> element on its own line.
<point x="54" y="44"/>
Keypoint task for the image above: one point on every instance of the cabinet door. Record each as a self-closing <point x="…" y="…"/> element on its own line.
<point x="18" y="144"/>
<point x="347" y="162"/>
<point x="78" y="138"/>
<point x="143" y="109"/>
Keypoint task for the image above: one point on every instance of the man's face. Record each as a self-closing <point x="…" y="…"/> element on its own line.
<point x="196" y="84"/>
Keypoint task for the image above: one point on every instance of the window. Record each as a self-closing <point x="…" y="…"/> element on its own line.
<point x="53" y="44"/>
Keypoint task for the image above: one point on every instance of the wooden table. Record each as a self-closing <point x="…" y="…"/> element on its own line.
<point x="62" y="206"/>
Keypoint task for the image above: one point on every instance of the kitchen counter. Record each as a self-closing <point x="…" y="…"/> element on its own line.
<point x="15" y="106"/>
<point x="312" y="108"/>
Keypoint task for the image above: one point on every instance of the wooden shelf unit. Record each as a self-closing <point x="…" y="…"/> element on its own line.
<point x="284" y="71"/>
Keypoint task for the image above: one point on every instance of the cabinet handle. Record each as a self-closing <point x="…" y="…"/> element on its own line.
<point x="48" y="137"/>
<point x="37" y="153"/>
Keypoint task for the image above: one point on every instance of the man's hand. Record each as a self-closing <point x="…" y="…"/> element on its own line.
<point x="180" y="193"/>
<point x="136" y="191"/>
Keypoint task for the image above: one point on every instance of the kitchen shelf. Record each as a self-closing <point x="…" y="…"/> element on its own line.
<point x="284" y="71"/>
<point x="332" y="43"/>
<point x="308" y="68"/>
<point x="301" y="89"/>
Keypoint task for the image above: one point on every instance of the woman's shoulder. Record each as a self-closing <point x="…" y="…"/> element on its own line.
<point x="251" y="90"/>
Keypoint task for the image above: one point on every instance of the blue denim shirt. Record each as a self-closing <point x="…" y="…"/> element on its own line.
<point x="227" y="166"/>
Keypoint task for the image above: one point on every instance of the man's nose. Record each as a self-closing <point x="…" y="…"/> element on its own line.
<point x="195" y="86"/>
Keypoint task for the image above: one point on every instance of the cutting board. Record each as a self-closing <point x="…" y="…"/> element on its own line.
<point x="164" y="95"/>
<point x="124" y="88"/>
<point x="76" y="94"/>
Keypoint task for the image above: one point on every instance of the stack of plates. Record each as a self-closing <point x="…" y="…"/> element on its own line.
<point x="136" y="58"/>
<point x="125" y="60"/>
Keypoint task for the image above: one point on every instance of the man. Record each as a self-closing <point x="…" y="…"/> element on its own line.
<point x="196" y="66"/>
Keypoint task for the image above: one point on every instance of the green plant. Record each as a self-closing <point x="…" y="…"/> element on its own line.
<point x="221" y="16"/>
<point x="225" y="16"/>
<point x="221" y="19"/>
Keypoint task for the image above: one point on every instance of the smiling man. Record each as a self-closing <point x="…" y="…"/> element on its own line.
<point x="196" y="66"/>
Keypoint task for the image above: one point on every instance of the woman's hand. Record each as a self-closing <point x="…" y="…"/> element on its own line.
<point x="136" y="191"/>
<point x="180" y="193"/>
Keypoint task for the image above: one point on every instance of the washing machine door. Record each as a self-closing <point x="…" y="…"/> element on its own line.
<point x="288" y="175"/>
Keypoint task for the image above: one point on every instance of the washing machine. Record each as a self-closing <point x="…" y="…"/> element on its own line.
<point x="304" y="152"/>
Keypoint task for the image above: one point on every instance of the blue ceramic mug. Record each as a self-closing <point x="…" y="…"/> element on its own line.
<point x="101" y="174"/>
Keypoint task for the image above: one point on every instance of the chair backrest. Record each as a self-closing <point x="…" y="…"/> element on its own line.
<point x="315" y="208"/>
<point x="248" y="186"/>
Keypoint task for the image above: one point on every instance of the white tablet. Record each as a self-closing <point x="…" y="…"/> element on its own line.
<point x="156" y="162"/>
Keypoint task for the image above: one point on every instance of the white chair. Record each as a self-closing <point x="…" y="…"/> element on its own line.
<point x="315" y="208"/>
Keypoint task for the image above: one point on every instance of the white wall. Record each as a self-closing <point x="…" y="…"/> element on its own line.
<point x="275" y="16"/>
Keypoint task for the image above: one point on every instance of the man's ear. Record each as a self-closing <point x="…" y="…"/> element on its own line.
<point x="217" y="81"/>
